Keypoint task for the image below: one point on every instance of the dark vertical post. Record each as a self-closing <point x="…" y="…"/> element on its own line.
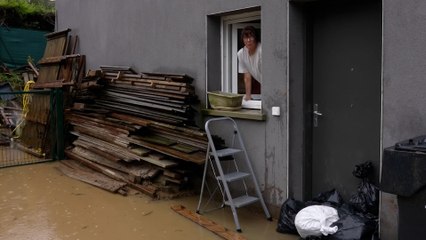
<point x="52" y="124"/>
<point x="59" y="124"/>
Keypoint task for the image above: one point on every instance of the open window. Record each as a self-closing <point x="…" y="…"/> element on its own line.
<point x="232" y="81"/>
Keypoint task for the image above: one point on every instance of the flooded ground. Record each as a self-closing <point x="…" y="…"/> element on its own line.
<point x="38" y="202"/>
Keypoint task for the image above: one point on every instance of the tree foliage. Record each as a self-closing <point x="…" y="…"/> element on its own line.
<point x="34" y="14"/>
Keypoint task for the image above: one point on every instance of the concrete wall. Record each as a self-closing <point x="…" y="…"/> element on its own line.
<point x="404" y="85"/>
<point x="171" y="36"/>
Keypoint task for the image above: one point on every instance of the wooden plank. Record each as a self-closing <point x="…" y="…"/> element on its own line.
<point x="99" y="122"/>
<point x="95" y="150"/>
<point x="165" y="163"/>
<point x="198" y="157"/>
<point x="157" y="156"/>
<point x="156" y="139"/>
<point x="52" y="84"/>
<point x="140" y="151"/>
<point x="57" y="33"/>
<point x="207" y="223"/>
<point x="185" y="148"/>
<point x="57" y="59"/>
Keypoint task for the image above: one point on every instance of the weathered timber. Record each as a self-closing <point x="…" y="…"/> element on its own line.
<point x="164" y="163"/>
<point x="184" y="148"/>
<point x="147" y="96"/>
<point x="169" y="76"/>
<point x="52" y="84"/>
<point x="113" y="149"/>
<point x="142" y="112"/>
<point x="107" y="125"/>
<point x="156" y="139"/>
<point x="207" y="223"/>
<point x="124" y="69"/>
<point x="57" y="59"/>
<point x="96" y="150"/>
<point x="200" y="144"/>
<point x="157" y="156"/>
<point x="103" y="161"/>
<point x="74" y="117"/>
<point x="142" y="79"/>
<point x="144" y="171"/>
<point x="140" y="151"/>
<point x="102" y="134"/>
<point x="197" y="157"/>
<point x="148" y="190"/>
<point x="123" y="98"/>
<point x="76" y="171"/>
<point x="137" y="99"/>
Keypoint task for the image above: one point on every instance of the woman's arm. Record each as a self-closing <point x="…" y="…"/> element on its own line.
<point x="247" y="83"/>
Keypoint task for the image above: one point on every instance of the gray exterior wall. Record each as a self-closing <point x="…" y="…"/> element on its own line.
<point x="171" y="36"/>
<point x="404" y="88"/>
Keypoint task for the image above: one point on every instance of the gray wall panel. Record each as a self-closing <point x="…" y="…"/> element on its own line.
<point x="404" y="88"/>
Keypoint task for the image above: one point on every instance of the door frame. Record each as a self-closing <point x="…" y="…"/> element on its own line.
<point x="300" y="101"/>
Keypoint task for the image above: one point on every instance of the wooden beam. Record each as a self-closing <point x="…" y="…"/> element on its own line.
<point x="207" y="223"/>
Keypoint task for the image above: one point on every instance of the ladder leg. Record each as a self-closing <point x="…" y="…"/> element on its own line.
<point x="262" y="202"/>
<point x="204" y="180"/>
<point x="237" y="222"/>
<point x="231" y="204"/>
<point x="228" y="195"/>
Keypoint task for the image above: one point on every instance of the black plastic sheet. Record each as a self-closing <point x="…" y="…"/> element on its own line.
<point x="288" y="212"/>
<point x="366" y="199"/>
<point x="357" y="219"/>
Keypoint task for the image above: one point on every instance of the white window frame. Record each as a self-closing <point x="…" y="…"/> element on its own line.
<point x="229" y="34"/>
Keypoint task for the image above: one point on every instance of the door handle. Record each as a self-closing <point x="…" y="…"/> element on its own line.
<point x="316" y="113"/>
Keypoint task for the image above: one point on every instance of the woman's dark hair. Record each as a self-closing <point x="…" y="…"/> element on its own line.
<point x="249" y="31"/>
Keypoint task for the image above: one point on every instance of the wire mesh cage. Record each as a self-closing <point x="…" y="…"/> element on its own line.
<point x="28" y="126"/>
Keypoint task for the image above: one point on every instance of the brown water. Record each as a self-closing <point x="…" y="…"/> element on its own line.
<point x="37" y="202"/>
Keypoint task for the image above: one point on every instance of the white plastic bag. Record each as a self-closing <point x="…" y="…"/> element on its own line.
<point x="316" y="220"/>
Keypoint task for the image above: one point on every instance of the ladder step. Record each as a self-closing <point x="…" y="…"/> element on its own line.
<point x="227" y="152"/>
<point x="242" y="201"/>
<point x="230" y="177"/>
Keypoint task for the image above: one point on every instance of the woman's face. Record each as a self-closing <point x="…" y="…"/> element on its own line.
<point x="250" y="43"/>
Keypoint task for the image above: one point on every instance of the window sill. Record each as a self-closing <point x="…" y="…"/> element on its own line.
<point x="248" y="114"/>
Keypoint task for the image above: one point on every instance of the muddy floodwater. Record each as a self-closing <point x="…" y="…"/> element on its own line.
<point x="37" y="202"/>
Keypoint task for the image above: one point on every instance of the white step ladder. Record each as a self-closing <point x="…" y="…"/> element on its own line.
<point x="235" y="156"/>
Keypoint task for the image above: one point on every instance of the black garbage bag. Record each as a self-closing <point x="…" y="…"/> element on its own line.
<point x="366" y="199"/>
<point x="331" y="198"/>
<point x="354" y="225"/>
<point x="288" y="212"/>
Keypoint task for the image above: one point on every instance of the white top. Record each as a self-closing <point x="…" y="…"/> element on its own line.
<point x="251" y="63"/>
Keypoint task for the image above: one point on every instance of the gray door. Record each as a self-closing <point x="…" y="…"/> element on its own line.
<point x="346" y="75"/>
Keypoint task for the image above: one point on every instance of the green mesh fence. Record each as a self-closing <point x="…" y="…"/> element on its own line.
<point x="16" y="45"/>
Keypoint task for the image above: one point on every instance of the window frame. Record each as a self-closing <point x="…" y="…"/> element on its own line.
<point x="229" y="74"/>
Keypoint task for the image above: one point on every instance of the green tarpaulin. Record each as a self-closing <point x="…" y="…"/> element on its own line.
<point x="17" y="44"/>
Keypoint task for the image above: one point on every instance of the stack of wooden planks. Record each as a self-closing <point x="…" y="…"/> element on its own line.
<point x="151" y="153"/>
<point x="157" y="96"/>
